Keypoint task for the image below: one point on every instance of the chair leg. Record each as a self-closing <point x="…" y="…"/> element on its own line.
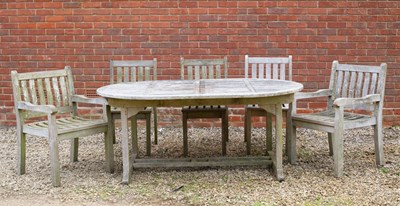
<point x="225" y="131"/>
<point x="338" y="149"/>
<point x="134" y="135"/>
<point x="155" y="125"/>
<point x="74" y="149"/>
<point x="112" y="125"/>
<point x="54" y="152"/>
<point x="269" y="131"/>
<point x="148" y="135"/>
<point x="247" y="131"/>
<point x="378" y="140"/>
<point x="330" y="144"/>
<point x="185" y="134"/>
<point x="109" y="151"/>
<point x="21" y="139"/>
<point x="292" y="137"/>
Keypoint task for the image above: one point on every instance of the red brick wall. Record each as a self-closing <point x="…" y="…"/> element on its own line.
<point x="42" y="35"/>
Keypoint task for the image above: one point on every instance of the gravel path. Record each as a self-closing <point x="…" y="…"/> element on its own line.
<point x="309" y="182"/>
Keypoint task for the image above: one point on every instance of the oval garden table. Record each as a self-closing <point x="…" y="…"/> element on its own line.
<point x="133" y="97"/>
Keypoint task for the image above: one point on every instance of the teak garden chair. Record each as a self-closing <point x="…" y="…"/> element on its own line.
<point x="196" y="69"/>
<point x="134" y="71"/>
<point x="51" y="94"/>
<point x="264" y="68"/>
<point x="354" y="87"/>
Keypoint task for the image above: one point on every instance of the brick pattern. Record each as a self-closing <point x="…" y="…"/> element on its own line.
<point x="43" y="35"/>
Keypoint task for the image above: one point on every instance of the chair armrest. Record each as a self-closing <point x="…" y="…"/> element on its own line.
<point x="49" y="109"/>
<point x="307" y="95"/>
<point x="340" y="102"/>
<point x="83" y="99"/>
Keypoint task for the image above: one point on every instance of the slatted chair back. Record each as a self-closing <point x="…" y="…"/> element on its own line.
<point x="195" y="69"/>
<point x="355" y="81"/>
<point x="45" y="88"/>
<point x="268" y="67"/>
<point x="133" y="71"/>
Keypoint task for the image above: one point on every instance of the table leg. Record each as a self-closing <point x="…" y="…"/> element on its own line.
<point x="126" y="113"/>
<point x="278" y="168"/>
<point x="126" y="161"/>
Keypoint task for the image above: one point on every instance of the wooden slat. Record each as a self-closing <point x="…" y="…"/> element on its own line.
<point x="196" y="72"/>
<point x="275" y="71"/>
<point x="32" y="91"/>
<point x="359" y="68"/>
<point x="142" y="63"/>
<point x="133" y="74"/>
<point x="359" y="84"/>
<point x="25" y="92"/>
<point x="366" y="84"/>
<point x="345" y="83"/>
<point x="56" y="90"/>
<point x="339" y="82"/>
<point x="352" y="84"/>
<point x="126" y="74"/>
<point x="204" y="73"/>
<point x="261" y="71"/>
<point x="41" y="91"/>
<point x="190" y="73"/>
<point x="41" y="75"/>
<point x="147" y="73"/>
<point x="282" y="73"/>
<point x="254" y="71"/>
<point x="48" y="91"/>
<point x="119" y="74"/>
<point x="268" y="71"/>
<point x="373" y="83"/>
<point x="218" y="72"/>
<point x="140" y="73"/>
<point x="269" y="60"/>
<point x="64" y="93"/>
<point x="211" y="71"/>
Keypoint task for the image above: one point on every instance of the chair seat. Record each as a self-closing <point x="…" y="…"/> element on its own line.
<point x="209" y="111"/>
<point x="327" y="118"/>
<point x="204" y="107"/>
<point x="65" y="125"/>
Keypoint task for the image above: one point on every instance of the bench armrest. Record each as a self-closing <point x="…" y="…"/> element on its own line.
<point x="48" y="109"/>
<point x="340" y="102"/>
<point x="308" y="95"/>
<point x="84" y="99"/>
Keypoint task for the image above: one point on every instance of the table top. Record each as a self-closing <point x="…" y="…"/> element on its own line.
<point x="199" y="89"/>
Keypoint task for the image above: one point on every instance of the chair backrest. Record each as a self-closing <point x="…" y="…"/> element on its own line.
<point x="53" y="87"/>
<point x="268" y="67"/>
<point x="133" y="71"/>
<point x="355" y="81"/>
<point x="204" y="68"/>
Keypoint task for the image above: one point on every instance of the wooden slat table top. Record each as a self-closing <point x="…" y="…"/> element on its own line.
<point x="199" y="89"/>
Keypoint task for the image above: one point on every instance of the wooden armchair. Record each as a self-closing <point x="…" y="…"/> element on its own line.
<point x="133" y="71"/>
<point x="350" y="87"/>
<point x="51" y="94"/>
<point x="264" y="68"/>
<point x="204" y="69"/>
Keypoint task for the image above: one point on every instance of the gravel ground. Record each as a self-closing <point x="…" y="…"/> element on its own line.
<point x="309" y="182"/>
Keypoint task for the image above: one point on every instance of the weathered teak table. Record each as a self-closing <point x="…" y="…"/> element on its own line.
<point x="132" y="97"/>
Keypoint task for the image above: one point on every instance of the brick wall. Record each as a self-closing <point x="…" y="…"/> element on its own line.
<point x="43" y="35"/>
